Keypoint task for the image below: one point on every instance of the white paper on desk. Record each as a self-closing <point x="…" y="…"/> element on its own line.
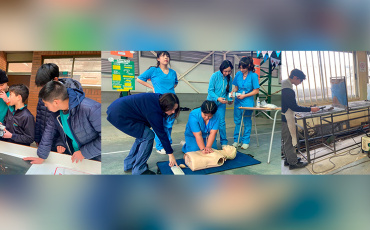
<point x="53" y="169"/>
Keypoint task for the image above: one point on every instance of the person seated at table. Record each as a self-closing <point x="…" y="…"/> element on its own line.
<point x="75" y="118"/>
<point x="19" y="122"/>
<point x="201" y="129"/>
<point x="247" y="85"/>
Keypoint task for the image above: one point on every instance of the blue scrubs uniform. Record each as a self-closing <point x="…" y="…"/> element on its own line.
<point x="3" y="108"/>
<point x="162" y="83"/>
<point x="216" y="89"/>
<point x="246" y="86"/>
<point x="196" y="124"/>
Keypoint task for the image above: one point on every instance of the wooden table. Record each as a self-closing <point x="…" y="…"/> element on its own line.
<point x="61" y="161"/>
<point x="263" y="110"/>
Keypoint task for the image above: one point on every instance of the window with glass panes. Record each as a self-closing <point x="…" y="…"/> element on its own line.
<point x="320" y="67"/>
<point x="86" y="70"/>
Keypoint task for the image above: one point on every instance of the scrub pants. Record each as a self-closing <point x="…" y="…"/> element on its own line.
<point x="221" y="110"/>
<point x="167" y="123"/>
<point x="247" y="120"/>
<point x="140" y="153"/>
<point x="191" y="144"/>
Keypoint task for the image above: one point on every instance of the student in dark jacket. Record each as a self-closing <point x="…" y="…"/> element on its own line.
<point x="77" y="120"/>
<point x="49" y="72"/>
<point x="19" y="122"/>
<point x="135" y="115"/>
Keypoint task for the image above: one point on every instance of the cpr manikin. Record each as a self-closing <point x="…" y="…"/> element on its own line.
<point x="197" y="160"/>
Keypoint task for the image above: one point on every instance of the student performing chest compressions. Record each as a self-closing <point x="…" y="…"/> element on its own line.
<point x="135" y="115"/>
<point x="201" y="129"/>
<point x="200" y="135"/>
<point x="164" y="80"/>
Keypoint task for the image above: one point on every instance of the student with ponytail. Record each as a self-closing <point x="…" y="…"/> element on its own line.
<point x="164" y="80"/>
<point x="247" y="85"/>
<point x="218" y="91"/>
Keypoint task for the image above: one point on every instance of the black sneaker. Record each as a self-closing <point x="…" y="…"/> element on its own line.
<point x="298" y="165"/>
<point x="128" y="170"/>
<point x="148" y="172"/>
<point x="286" y="161"/>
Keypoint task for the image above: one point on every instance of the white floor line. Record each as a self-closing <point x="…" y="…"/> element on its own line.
<point x="123" y="151"/>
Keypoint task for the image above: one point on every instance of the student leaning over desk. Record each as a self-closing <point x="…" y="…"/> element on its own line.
<point x="49" y="72"/>
<point x="164" y="80"/>
<point x="247" y="85"/>
<point x="77" y="121"/>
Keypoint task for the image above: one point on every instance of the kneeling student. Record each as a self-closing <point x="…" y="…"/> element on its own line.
<point x="19" y="122"/>
<point x="76" y="119"/>
<point x="201" y="129"/>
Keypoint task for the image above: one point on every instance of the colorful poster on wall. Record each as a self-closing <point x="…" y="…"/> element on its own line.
<point x="128" y="54"/>
<point x="123" y="75"/>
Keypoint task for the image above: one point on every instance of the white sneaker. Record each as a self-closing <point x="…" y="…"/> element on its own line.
<point x="236" y="145"/>
<point x="162" y="151"/>
<point x="245" y="146"/>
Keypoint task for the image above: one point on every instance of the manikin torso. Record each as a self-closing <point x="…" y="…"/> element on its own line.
<point x="197" y="160"/>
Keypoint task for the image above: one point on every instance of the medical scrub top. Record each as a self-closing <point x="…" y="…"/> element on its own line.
<point x="196" y="124"/>
<point x="3" y="108"/>
<point x="217" y="87"/>
<point x="67" y="130"/>
<point x="248" y="85"/>
<point x="162" y="83"/>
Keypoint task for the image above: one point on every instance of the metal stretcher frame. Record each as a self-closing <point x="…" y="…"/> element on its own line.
<point x="263" y="110"/>
<point x="354" y="107"/>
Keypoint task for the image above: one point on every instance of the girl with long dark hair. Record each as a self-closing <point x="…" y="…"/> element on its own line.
<point x="246" y="85"/>
<point x="218" y="91"/>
